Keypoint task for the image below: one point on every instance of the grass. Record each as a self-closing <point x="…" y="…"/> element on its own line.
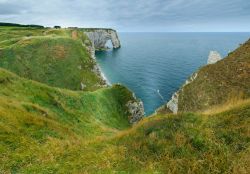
<point x="219" y="83"/>
<point x="63" y="132"/>
<point x="58" y="58"/>
<point x="45" y="128"/>
<point x="51" y="130"/>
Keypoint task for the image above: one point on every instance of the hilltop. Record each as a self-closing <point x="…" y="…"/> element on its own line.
<point x="57" y="57"/>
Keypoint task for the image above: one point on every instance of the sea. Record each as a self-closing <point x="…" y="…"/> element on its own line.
<point x="155" y="65"/>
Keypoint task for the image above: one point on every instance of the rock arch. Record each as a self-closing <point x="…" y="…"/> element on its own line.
<point x="99" y="38"/>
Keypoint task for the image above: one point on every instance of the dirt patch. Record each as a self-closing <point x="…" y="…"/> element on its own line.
<point x="59" y="52"/>
<point x="74" y="35"/>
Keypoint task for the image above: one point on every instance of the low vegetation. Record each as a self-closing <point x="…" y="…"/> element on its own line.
<point x="50" y="130"/>
<point x="59" y="58"/>
<point x="45" y="128"/>
<point x="219" y="83"/>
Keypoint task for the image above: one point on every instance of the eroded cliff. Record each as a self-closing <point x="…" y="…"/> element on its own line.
<point x="218" y="82"/>
<point x="100" y="37"/>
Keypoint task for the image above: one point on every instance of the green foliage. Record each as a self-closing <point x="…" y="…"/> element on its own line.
<point x="56" y="57"/>
<point x="19" y="25"/>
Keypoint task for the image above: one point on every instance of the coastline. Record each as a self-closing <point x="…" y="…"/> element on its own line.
<point x="103" y="76"/>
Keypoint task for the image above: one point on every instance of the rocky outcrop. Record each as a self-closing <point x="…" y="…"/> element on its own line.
<point x="172" y="105"/>
<point x="96" y="69"/>
<point x="136" y="111"/>
<point x="99" y="38"/>
<point x="213" y="57"/>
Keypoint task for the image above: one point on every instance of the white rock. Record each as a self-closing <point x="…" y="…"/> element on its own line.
<point x="173" y="103"/>
<point x="136" y="110"/>
<point x="213" y="57"/>
<point x="83" y="86"/>
<point x="99" y="38"/>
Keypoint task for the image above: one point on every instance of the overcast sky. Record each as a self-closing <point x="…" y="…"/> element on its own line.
<point x="132" y="15"/>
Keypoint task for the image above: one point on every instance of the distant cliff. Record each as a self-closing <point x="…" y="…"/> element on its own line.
<point x="99" y="37"/>
<point x="219" y="82"/>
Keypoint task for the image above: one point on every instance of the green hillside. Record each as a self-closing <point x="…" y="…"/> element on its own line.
<point x="58" y="58"/>
<point x="47" y="125"/>
<point x="51" y="130"/>
<point x="32" y="114"/>
<point x="221" y="83"/>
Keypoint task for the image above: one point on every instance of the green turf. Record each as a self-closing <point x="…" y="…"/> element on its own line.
<point x="226" y="81"/>
<point x="58" y="58"/>
<point x="47" y="129"/>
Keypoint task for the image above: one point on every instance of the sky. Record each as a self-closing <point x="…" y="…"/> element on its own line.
<point x="132" y="15"/>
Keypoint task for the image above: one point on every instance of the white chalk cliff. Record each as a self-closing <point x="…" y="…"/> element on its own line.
<point x="213" y="57"/>
<point x="172" y="105"/>
<point x="99" y="38"/>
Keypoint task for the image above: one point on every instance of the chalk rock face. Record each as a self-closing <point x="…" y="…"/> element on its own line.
<point x="213" y="57"/>
<point x="136" y="111"/>
<point x="99" y="38"/>
<point x="96" y="69"/>
<point x="173" y="103"/>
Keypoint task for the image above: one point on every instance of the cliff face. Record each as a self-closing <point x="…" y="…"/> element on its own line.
<point x="219" y="82"/>
<point x="99" y="38"/>
<point x="172" y="105"/>
<point x="213" y="57"/>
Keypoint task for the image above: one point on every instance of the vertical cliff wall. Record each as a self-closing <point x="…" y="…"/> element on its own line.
<point x="100" y="37"/>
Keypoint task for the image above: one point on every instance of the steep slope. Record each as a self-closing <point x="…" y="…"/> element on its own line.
<point x="85" y="112"/>
<point x="214" y="84"/>
<point x="60" y="58"/>
<point x="195" y="143"/>
<point x="56" y="138"/>
<point x="45" y="129"/>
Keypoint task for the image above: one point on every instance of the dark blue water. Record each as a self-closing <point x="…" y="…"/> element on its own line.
<point x="148" y="62"/>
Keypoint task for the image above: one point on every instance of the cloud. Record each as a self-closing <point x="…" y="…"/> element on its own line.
<point x="7" y="8"/>
<point x="131" y="15"/>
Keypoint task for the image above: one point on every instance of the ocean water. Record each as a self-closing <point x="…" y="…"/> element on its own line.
<point x="155" y="65"/>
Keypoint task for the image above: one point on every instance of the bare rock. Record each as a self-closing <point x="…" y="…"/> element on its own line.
<point x="136" y="111"/>
<point x="213" y="57"/>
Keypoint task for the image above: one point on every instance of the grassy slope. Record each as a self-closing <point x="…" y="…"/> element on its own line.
<point x="194" y="143"/>
<point x="227" y="80"/>
<point x="51" y="130"/>
<point x="32" y="114"/>
<point x="48" y="130"/>
<point x="55" y="57"/>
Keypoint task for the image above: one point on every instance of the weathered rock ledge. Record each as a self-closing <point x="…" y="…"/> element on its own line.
<point x="213" y="57"/>
<point x="136" y="111"/>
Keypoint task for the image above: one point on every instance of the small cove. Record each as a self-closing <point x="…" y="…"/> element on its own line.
<point x="155" y="65"/>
